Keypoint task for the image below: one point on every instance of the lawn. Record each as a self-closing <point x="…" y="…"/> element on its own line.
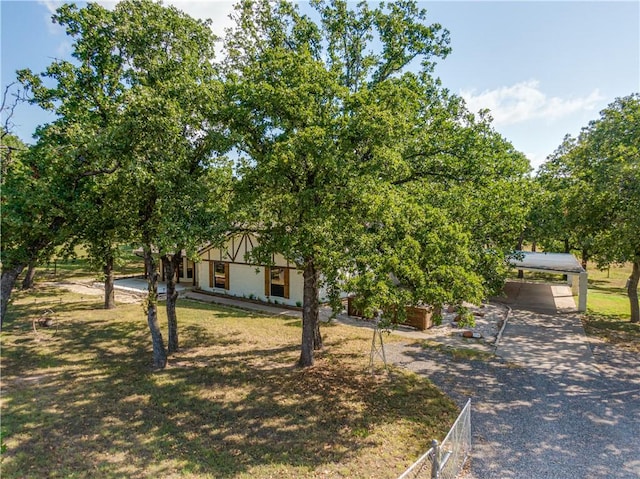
<point x="77" y="268"/>
<point x="80" y="400"/>
<point x="608" y="309"/>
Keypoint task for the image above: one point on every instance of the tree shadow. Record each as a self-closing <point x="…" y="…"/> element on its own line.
<point x="605" y="287"/>
<point x="536" y="418"/>
<point x="87" y="401"/>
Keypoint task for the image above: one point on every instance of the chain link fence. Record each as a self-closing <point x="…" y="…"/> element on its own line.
<point x="445" y="460"/>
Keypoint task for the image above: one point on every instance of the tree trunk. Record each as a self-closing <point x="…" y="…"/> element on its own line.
<point x="585" y="258"/>
<point x="7" y="282"/>
<point x="317" y="337"/>
<point x="519" y="248"/>
<point x="27" y="282"/>
<point x="632" y="291"/>
<point x="310" y="308"/>
<point x="109" y="290"/>
<point x="159" y="353"/>
<point x="567" y="249"/>
<point x="171" y="267"/>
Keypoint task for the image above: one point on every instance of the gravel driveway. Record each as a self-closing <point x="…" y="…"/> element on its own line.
<point x="550" y="407"/>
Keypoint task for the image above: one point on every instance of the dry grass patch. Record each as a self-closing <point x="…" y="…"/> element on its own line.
<point x="608" y="308"/>
<point x="82" y="401"/>
<point x="613" y="329"/>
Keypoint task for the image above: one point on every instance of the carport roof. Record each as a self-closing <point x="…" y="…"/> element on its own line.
<point x="552" y="262"/>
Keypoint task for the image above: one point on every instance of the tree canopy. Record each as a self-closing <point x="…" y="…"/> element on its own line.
<point x="138" y="96"/>
<point x="351" y="159"/>
<point x="597" y="175"/>
<point x="359" y="167"/>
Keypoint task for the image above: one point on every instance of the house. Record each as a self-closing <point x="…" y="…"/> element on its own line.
<point x="225" y="270"/>
<point x="186" y="272"/>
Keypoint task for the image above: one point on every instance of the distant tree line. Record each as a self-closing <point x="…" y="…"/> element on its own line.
<point x="588" y="194"/>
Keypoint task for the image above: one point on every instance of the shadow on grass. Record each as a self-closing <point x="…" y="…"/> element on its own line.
<point x="605" y="287"/>
<point x="83" y="402"/>
<point x="217" y="310"/>
<point x="614" y="329"/>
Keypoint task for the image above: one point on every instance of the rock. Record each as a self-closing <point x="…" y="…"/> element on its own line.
<point x="471" y="334"/>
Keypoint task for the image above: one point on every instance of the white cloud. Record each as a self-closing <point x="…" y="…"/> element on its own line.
<point x="215" y="10"/>
<point x="526" y="101"/>
<point x="50" y="4"/>
<point x="536" y="158"/>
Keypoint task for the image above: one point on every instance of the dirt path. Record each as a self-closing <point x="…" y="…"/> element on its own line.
<point x="91" y="288"/>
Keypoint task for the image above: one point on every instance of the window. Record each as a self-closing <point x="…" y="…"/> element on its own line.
<point x="218" y="275"/>
<point x="277" y="282"/>
<point x="190" y="269"/>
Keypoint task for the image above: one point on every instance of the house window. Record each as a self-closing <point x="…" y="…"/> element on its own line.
<point x="190" y="269"/>
<point x="221" y="275"/>
<point x="277" y="282"/>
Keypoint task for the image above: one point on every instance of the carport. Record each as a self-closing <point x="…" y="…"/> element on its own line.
<point x="558" y="263"/>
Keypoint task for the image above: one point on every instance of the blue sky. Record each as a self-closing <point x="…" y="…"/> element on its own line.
<point x="544" y="69"/>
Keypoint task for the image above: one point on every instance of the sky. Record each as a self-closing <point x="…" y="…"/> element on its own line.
<point x="544" y="69"/>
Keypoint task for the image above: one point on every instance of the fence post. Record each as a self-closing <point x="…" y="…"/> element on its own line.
<point x="435" y="464"/>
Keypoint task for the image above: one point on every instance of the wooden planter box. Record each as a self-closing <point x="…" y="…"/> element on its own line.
<point x="419" y="317"/>
<point x="351" y="309"/>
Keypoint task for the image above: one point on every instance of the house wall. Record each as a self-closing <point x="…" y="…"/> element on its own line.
<point x="183" y="273"/>
<point x="244" y="282"/>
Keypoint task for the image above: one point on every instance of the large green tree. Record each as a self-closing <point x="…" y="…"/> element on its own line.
<point x="140" y="88"/>
<point x="599" y="173"/>
<point x="88" y="93"/>
<point x="560" y="206"/>
<point x="38" y="191"/>
<point x="346" y="141"/>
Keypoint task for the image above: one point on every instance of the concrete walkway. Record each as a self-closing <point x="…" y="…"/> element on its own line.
<point x="139" y="286"/>
<point x="544" y="332"/>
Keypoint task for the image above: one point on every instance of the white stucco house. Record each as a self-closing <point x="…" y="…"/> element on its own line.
<point x="225" y="270"/>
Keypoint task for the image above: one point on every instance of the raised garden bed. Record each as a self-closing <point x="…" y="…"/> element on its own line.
<point x="419" y="317"/>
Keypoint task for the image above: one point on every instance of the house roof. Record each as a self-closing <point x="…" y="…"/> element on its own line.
<point x="564" y="263"/>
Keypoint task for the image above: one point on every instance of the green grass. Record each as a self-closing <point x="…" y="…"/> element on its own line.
<point x="608" y="308"/>
<point x="78" y="268"/>
<point x="608" y="303"/>
<point x="81" y="400"/>
<point x="458" y="353"/>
